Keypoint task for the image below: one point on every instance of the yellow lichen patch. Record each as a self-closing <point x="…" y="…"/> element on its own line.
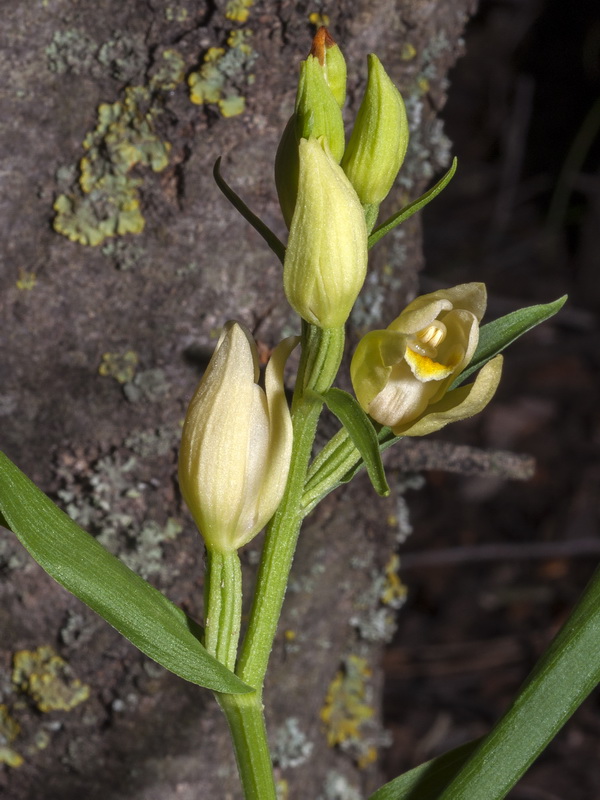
<point x="108" y="203"/>
<point x="9" y="727"/>
<point x="120" y="366"/>
<point x="232" y="106"/>
<point x="26" y="280"/>
<point x="368" y="756"/>
<point x="345" y="709"/>
<point x="10" y="757"/>
<point x="318" y="19"/>
<point x="394" y="591"/>
<point x="223" y="70"/>
<point x="238" y="10"/>
<point x="170" y="70"/>
<point x="408" y="51"/>
<point x="47" y="679"/>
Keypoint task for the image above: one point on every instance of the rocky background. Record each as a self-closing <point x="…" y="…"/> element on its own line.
<point x="120" y="262"/>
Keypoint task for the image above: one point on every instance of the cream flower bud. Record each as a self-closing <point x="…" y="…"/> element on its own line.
<point x="379" y="139"/>
<point x="401" y="375"/>
<point x="326" y="258"/>
<point x="236" y="443"/>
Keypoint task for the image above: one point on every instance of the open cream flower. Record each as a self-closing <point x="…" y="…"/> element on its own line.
<point x="237" y="442"/>
<point x="401" y="375"/>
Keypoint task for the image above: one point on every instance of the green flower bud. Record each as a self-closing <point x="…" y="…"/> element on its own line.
<point x="333" y="63"/>
<point x="236" y="443"/>
<point x="320" y="96"/>
<point x="326" y="258"/>
<point x="379" y="138"/>
<point x="318" y="113"/>
<point x="401" y="375"/>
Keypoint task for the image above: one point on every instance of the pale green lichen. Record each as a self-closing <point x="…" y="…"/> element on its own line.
<point x="150" y="385"/>
<point x="47" y="679"/>
<point x="71" y="51"/>
<point x="338" y="787"/>
<point x="291" y="746"/>
<point x="106" y="498"/>
<point x="224" y="71"/>
<point x="9" y="730"/>
<point x="123" y="56"/>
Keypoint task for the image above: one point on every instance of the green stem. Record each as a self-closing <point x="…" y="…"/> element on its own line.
<point x="222" y="605"/>
<point x="321" y="355"/>
<point x="333" y="463"/>
<point x="248" y="732"/>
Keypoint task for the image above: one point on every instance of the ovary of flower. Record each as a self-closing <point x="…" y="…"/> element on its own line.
<point x="402" y="375"/>
<point x="236" y="442"/>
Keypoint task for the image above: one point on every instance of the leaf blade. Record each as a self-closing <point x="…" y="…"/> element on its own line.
<point x="141" y="613"/>
<point x="495" y="336"/>
<point x="567" y="672"/>
<point x="362" y="433"/>
<point x="259" y="226"/>
<point x="412" y="208"/>
<point x="426" y="781"/>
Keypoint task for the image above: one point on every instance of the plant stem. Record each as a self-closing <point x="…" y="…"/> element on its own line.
<point x="244" y="713"/>
<point x="321" y="355"/>
<point x="222" y="605"/>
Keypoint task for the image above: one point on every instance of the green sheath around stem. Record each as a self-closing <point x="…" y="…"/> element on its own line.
<point x="222" y="605"/>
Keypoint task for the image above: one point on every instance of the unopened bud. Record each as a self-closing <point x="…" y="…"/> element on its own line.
<point x="236" y="443"/>
<point x="333" y="63"/>
<point x="379" y="138"/>
<point x="326" y="257"/>
<point x="318" y="113"/>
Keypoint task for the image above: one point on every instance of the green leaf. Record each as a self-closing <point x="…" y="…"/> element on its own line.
<point x="567" y="672"/>
<point x="141" y="613"/>
<point x="259" y="226"/>
<point x="428" y="780"/>
<point x="364" y="436"/>
<point x="412" y="208"/>
<point x="497" y="335"/>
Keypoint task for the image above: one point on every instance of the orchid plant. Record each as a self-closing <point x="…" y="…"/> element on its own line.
<point x="246" y="459"/>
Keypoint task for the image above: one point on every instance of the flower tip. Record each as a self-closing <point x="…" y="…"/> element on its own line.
<point x="322" y="41"/>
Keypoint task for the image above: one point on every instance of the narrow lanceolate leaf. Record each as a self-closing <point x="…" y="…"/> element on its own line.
<point x="567" y="672"/>
<point x="141" y="613"/>
<point x="259" y="226"/>
<point x="428" y="780"/>
<point x="412" y="208"/>
<point x="363" y="435"/>
<point x="497" y="335"/>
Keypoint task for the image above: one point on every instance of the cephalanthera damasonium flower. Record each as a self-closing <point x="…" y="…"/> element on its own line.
<point x="237" y="442"/>
<point x="326" y="257"/>
<point x="402" y="375"/>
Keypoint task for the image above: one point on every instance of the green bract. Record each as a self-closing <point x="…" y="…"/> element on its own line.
<point x="379" y="138"/>
<point x="401" y="375"/>
<point x="326" y="258"/>
<point x="236" y="442"/>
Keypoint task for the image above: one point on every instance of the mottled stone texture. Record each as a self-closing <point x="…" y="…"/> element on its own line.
<point x="162" y="294"/>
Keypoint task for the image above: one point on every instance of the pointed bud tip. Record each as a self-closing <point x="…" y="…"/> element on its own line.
<point x="322" y="41"/>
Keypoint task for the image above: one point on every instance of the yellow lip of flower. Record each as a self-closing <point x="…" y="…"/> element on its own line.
<point x="401" y="375"/>
<point x="236" y="442"/>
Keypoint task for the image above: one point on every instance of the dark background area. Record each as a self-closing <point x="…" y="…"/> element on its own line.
<point x="493" y="567"/>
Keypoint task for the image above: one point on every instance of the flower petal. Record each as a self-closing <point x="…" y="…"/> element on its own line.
<point x="458" y="404"/>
